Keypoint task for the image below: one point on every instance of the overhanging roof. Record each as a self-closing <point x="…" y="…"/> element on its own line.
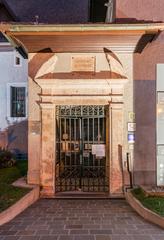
<point x="82" y="38"/>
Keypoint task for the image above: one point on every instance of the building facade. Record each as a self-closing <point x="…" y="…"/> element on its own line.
<point x="13" y="98"/>
<point x="92" y="101"/>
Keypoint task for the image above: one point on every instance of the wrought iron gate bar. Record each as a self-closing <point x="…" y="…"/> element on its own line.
<point x="77" y="167"/>
<point x="80" y="111"/>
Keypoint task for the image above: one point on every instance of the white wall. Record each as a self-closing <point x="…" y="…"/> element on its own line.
<point x="10" y="73"/>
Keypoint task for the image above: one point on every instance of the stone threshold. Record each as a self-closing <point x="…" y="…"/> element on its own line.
<point x="144" y="212"/>
<point x="30" y="198"/>
<point x="84" y="195"/>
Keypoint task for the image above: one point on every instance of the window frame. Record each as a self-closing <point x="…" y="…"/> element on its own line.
<point x="16" y="55"/>
<point x="9" y="117"/>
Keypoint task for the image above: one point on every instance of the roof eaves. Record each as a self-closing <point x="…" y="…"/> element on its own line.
<point x="89" y="28"/>
<point x="12" y="14"/>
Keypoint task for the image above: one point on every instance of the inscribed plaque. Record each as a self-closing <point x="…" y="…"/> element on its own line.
<point x="83" y="64"/>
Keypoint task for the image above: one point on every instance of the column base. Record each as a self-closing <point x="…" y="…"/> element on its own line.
<point x="47" y="192"/>
<point x="33" y="177"/>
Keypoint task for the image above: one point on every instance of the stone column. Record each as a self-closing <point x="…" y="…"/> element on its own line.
<point x="47" y="164"/>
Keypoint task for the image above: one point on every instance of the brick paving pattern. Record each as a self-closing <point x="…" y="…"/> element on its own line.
<point x="80" y="220"/>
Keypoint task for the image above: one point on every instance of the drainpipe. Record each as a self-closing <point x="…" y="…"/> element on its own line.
<point x="129" y="169"/>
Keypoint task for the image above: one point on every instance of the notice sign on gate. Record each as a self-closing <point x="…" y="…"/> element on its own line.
<point x="99" y="150"/>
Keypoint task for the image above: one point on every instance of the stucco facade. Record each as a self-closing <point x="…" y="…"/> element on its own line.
<point x="13" y="131"/>
<point x="53" y="82"/>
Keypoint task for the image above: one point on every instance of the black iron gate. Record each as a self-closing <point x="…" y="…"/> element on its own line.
<point x="81" y="149"/>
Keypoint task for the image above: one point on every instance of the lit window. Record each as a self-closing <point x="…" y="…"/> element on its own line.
<point x="18" y="101"/>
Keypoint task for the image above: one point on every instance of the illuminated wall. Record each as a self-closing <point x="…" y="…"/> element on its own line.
<point x="160" y="124"/>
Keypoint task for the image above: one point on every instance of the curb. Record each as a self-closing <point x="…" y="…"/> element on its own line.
<point x="144" y="212"/>
<point x="19" y="206"/>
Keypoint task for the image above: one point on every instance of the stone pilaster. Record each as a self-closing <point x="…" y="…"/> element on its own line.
<point x="34" y="132"/>
<point x="47" y="164"/>
<point x="116" y="143"/>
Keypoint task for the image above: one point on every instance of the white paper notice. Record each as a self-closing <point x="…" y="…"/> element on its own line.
<point x="98" y="150"/>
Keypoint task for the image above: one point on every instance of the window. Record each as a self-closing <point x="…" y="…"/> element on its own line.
<point x="98" y="10"/>
<point x="17" y="61"/>
<point x="18" y="101"/>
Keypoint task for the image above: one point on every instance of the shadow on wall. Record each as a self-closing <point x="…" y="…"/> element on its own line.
<point x="145" y="145"/>
<point x="15" y="138"/>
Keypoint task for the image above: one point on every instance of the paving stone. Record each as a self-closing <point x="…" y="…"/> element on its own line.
<point x="137" y="232"/>
<point x="37" y="228"/>
<point x="73" y="226"/>
<point x="43" y="232"/>
<point x="104" y="232"/>
<point x="30" y="238"/>
<point x="84" y="237"/>
<point x="10" y="233"/>
<point x="48" y="237"/>
<point x="11" y="238"/>
<point x="103" y="237"/>
<point x="154" y="231"/>
<point x="119" y="231"/>
<point x="26" y="233"/>
<point x="56" y="226"/>
<point x="158" y="237"/>
<point x="93" y="226"/>
<point x="121" y="237"/>
<point x="79" y="231"/>
<point x="59" y="231"/>
<point x="144" y="226"/>
<point x="6" y="227"/>
<point x="65" y="237"/>
<point x="142" y="237"/>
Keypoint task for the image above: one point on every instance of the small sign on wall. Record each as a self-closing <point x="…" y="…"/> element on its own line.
<point x="131" y="116"/>
<point x="131" y="127"/>
<point x="161" y="97"/>
<point x="131" y="138"/>
<point x="160" y="150"/>
<point x="98" y="150"/>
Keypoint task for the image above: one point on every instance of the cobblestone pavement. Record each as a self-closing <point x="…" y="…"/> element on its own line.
<point x="80" y="220"/>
